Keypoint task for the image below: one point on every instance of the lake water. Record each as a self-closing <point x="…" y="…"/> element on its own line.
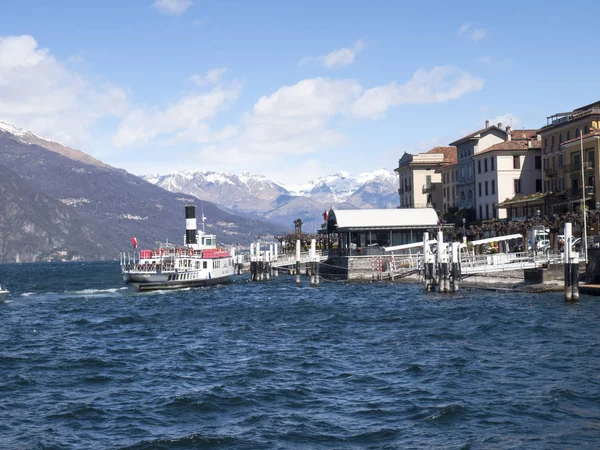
<point x="88" y="363"/>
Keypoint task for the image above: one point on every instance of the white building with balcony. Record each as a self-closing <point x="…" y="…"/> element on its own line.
<point x="507" y="170"/>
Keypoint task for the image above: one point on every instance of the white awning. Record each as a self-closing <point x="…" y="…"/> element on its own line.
<point x="370" y="219"/>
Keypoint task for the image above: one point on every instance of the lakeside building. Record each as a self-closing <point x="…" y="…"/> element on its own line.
<point x="362" y="234"/>
<point x="507" y="170"/>
<point x="361" y="230"/>
<point x="467" y="147"/>
<point x="420" y="181"/>
<point x="564" y="138"/>
<point x="449" y="175"/>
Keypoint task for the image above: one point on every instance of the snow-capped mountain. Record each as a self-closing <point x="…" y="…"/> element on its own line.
<point x="27" y="137"/>
<point x="261" y="197"/>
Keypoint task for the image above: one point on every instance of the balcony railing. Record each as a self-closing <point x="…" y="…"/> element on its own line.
<point x="587" y="165"/>
<point x="428" y="188"/>
<point x="550" y="172"/>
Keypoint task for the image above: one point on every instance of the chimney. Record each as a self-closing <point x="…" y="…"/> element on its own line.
<point x="190" y="225"/>
<point x="499" y="124"/>
<point x="487" y="123"/>
<point x="508" y="132"/>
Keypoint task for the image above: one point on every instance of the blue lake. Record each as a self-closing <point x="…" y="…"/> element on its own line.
<point x="88" y="363"/>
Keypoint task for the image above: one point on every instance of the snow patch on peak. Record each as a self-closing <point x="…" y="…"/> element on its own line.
<point x="12" y="129"/>
<point x="21" y="133"/>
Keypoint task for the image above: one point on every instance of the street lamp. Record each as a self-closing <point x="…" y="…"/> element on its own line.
<point x="584" y="235"/>
<point x="464" y="233"/>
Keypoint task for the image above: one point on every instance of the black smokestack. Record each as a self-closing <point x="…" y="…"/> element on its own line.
<point x="190" y="225"/>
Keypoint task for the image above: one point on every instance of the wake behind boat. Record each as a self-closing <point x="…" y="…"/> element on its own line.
<point x="199" y="262"/>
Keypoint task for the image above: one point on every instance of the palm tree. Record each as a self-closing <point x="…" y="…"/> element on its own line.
<point x="298" y="226"/>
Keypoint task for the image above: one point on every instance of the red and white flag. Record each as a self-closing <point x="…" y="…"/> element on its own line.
<point x="134" y="242"/>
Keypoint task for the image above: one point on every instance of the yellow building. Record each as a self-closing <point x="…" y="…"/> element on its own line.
<point x="565" y="137"/>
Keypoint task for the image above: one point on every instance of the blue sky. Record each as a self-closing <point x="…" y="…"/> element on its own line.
<point x="291" y="90"/>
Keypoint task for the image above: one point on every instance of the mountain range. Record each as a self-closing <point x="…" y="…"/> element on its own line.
<point x="260" y="197"/>
<point x="57" y="203"/>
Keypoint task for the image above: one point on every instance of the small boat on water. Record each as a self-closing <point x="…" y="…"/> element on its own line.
<point x="199" y="262"/>
<point x="3" y="293"/>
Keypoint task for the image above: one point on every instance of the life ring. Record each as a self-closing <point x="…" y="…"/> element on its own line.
<point x="190" y="252"/>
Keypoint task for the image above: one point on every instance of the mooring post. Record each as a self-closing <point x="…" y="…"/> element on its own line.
<point x="455" y="273"/>
<point x="575" y="279"/>
<point x="313" y="263"/>
<point x="567" y="262"/>
<point x="425" y="260"/>
<point x="298" y="261"/>
<point x="267" y="265"/>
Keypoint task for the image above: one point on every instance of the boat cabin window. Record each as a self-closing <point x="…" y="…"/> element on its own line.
<point x="205" y="264"/>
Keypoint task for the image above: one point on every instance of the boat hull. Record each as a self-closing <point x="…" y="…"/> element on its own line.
<point x="3" y="295"/>
<point x="155" y="282"/>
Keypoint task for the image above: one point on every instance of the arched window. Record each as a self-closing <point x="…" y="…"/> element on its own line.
<point x="586" y="130"/>
<point x="569" y="135"/>
<point x="560" y="139"/>
<point x="577" y="132"/>
<point x="552" y="145"/>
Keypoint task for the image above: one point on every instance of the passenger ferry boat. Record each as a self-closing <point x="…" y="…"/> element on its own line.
<point x="199" y="262"/>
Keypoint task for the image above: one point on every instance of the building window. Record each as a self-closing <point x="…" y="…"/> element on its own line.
<point x="538" y="162"/>
<point x="487" y="211"/>
<point x="493" y="212"/>
<point x="492" y="159"/>
<point x="552" y="145"/>
<point x="568" y="135"/>
<point x="485" y="164"/>
<point x="560" y="160"/>
<point x="545" y="146"/>
<point x="538" y="185"/>
<point x="493" y="187"/>
<point x="480" y="212"/>
<point x="516" y="162"/>
<point x="545" y="163"/>
<point x="462" y="196"/>
<point x="470" y="195"/>
<point x="560" y="139"/>
<point x="480" y="189"/>
<point x="517" y="186"/>
<point x="486" y="188"/>
<point x="546" y="185"/>
<point x="561" y="184"/>
<point x="577" y="132"/>
<point x="479" y="166"/>
<point x="586" y="130"/>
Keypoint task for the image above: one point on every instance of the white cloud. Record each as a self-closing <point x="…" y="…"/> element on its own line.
<point x="485" y="60"/>
<point x="438" y="85"/>
<point x="507" y="119"/>
<point x="463" y="28"/>
<point x="338" y="58"/>
<point x="172" y="7"/>
<point x="304" y="118"/>
<point x="475" y="35"/>
<point x="478" y="34"/>
<point x="183" y="120"/>
<point x="42" y="94"/>
<point x="213" y="76"/>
